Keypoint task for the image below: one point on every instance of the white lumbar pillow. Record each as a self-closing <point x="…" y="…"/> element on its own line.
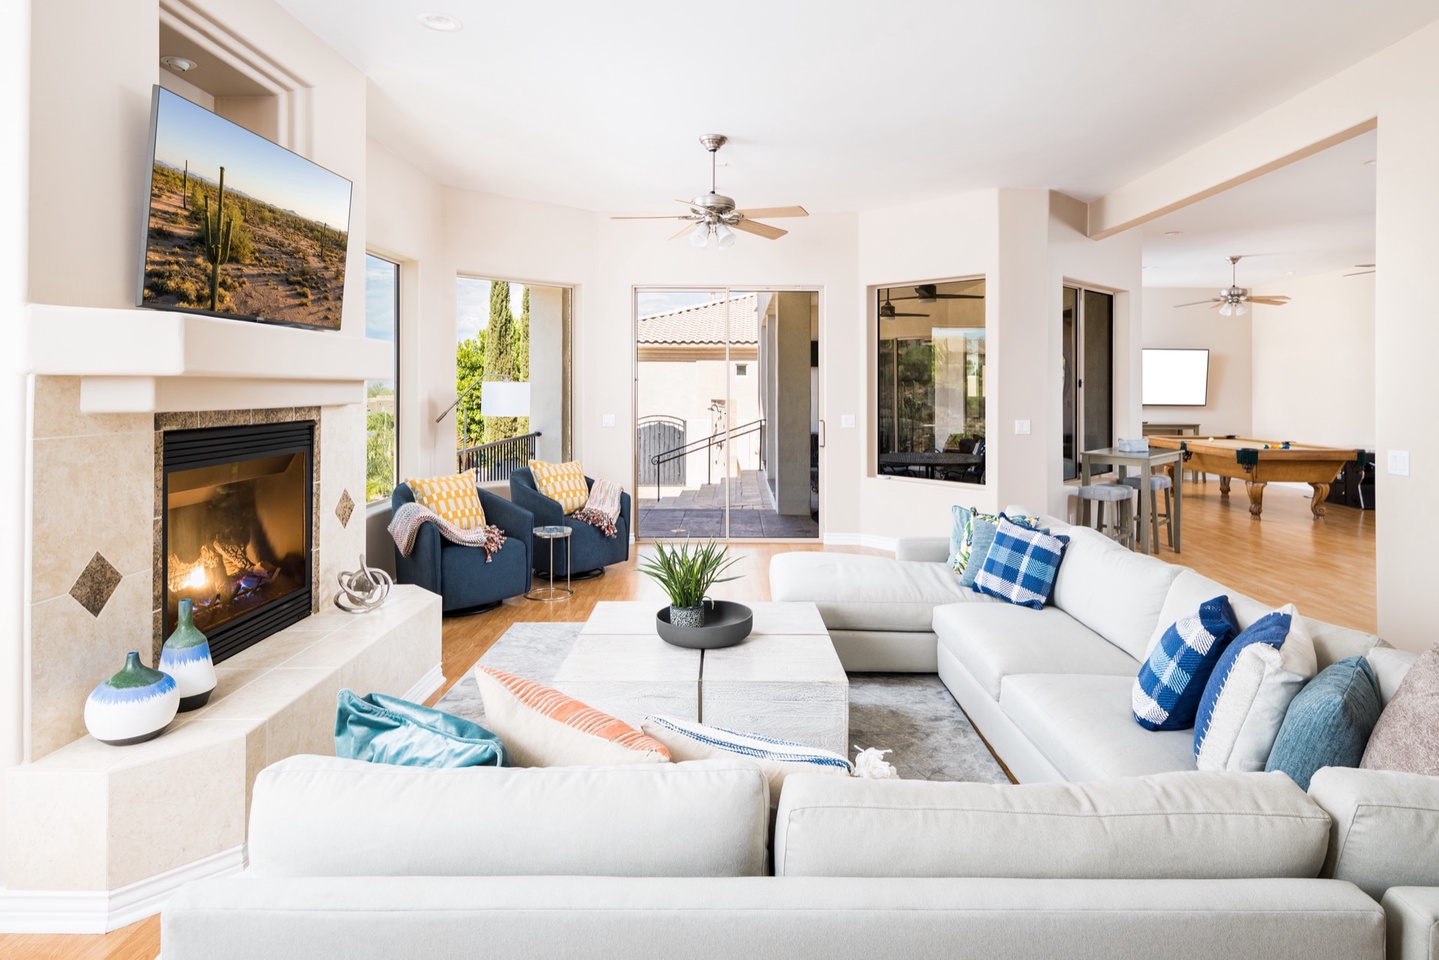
<point x="1249" y="692"/>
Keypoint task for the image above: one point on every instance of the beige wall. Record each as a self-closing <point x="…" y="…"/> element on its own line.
<point x="1232" y="404"/>
<point x="1314" y="362"/>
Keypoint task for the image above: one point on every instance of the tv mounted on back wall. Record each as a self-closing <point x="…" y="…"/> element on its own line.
<point x="1175" y="378"/>
<point x="237" y="226"/>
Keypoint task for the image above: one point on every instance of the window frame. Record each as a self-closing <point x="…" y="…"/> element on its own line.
<point x="395" y="374"/>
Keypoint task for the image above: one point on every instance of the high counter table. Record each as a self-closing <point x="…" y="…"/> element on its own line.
<point x="1258" y="462"/>
<point x="1144" y="462"/>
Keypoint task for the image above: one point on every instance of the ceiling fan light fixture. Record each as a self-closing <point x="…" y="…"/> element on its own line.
<point x="1226" y="310"/>
<point x="700" y="235"/>
<point x="724" y="236"/>
<point x="1240" y="309"/>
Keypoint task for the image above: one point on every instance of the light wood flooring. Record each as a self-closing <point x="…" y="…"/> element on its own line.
<point x="1326" y="568"/>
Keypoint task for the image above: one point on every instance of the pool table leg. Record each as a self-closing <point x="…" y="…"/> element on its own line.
<point x="1223" y="486"/>
<point x="1316" y="506"/>
<point x="1256" y="497"/>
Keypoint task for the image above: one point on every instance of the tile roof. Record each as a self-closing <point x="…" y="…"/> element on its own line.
<point x="705" y="323"/>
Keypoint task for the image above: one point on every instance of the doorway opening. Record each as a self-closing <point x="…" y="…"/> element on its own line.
<point x="1088" y="374"/>
<point x="727" y="430"/>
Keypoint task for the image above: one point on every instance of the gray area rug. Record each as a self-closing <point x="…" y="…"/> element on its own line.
<point x="912" y="715"/>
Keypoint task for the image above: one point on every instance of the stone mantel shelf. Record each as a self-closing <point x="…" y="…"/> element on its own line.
<point x="133" y="360"/>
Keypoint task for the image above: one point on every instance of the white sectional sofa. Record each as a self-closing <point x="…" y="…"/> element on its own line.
<point x="356" y="861"/>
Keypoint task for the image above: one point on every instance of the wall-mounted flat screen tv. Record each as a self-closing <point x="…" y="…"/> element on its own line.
<point x="237" y="226"/>
<point x="1175" y="378"/>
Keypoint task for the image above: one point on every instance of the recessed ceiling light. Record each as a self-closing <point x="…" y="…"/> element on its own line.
<point x="1290" y="273"/>
<point x="1174" y="233"/>
<point x="442" y="22"/>
<point x="179" y="64"/>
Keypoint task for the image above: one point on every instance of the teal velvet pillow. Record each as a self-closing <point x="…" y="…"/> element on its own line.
<point x="384" y="729"/>
<point x="1328" y="722"/>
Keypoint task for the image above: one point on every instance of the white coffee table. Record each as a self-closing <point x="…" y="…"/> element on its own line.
<point x="784" y="680"/>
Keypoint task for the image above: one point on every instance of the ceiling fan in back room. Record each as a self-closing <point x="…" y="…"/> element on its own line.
<point x="715" y="215"/>
<point x="1231" y="301"/>
<point x="929" y="293"/>
<point x="888" y="312"/>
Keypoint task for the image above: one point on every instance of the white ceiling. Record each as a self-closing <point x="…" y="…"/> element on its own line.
<point x="1313" y="216"/>
<point x="835" y="105"/>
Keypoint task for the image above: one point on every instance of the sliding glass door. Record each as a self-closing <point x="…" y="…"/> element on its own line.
<point x="1088" y="332"/>
<point x="726" y="414"/>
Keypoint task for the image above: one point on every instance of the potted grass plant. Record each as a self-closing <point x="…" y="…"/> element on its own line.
<point x="686" y="572"/>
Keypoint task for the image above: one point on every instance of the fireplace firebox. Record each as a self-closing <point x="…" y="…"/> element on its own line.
<point x="236" y="531"/>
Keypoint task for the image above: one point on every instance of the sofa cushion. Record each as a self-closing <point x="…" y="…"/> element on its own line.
<point x="1083" y="726"/>
<point x="1250" y="690"/>
<point x="1171" y="682"/>
<point x="855" y="592"/>
<point x="996" y="640"/>
<point x="1115" y="592"/>
<point x="1169" y="826"/>
<point x="1386" y="827"/>
<point x="1189" y="590"/>
<point x="327" y="817"/>
<point x="1328" y="722"/>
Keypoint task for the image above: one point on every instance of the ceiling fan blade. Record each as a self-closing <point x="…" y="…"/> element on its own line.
<point x="1270" y="301"/>
<point x="687" y="228"/>
<point x="760" y="229"/>
<point x="776" y="212"/>
<point x="1213" y="301"/>
<point x="668" y="216"/>
<point x="1358" y="273"/>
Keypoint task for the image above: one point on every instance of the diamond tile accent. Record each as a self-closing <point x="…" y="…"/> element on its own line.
<point x="96" y="584"/>
<point x="345" y="508"/>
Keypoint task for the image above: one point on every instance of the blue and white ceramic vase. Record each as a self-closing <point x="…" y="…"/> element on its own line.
<point x="133" y="706"/>
<point x="186" y="657"/>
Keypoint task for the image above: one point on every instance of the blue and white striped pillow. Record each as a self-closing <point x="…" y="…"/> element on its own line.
<point x="1171" y="683"/>
<point x="1021" y="565"/>
<point x="700" y="737"/>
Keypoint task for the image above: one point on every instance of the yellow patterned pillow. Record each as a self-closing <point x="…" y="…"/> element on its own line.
<point x="562" y="482"/>
<point x="451" y="497"/>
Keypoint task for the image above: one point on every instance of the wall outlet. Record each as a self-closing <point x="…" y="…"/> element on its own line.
<point x="846" y="420"/>
<point x="607" y="419"/>
<point x="1399" y="463"/>
<point x="1021" y="426"/>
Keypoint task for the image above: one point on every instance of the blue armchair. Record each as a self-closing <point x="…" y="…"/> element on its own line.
<point x="459" y="573"/>
<point x="591" y="550"/>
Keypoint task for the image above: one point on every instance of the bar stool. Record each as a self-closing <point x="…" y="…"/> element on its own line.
<point x="1121" y="522"/>
<point x="1157" y="482"/>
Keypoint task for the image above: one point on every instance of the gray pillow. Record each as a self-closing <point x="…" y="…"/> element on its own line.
<point x="1406" y="738"/>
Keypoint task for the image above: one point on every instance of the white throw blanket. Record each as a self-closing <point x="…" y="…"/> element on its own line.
<point x="603" y="507"/>
<point x="405" y="526"/>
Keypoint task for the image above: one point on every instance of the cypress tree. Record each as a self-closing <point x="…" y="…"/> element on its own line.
<point x="500" y="356"/>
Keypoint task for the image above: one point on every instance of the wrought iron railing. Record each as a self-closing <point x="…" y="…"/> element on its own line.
<point x="497" y="459"/>
<point x="704" y="443"/>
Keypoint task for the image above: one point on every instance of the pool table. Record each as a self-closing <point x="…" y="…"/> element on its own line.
<point x="1257" y="462"/>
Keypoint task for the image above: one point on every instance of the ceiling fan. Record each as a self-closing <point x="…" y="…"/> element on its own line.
<point x="928" y="293"/>
<point x="1231" y="301"/>
<point x="1361" y="269"/>
<point x="888" y="312"/>
<point x="714" y="215"/>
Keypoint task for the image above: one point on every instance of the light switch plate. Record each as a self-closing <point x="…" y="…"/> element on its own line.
<point x="846" y="420"/>
<point x="1399" y="463"/>
<point x="607" y="419"/>
<point x="1021" y="426"/>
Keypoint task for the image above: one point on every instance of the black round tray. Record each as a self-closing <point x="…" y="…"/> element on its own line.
<point x="726" y="624"/>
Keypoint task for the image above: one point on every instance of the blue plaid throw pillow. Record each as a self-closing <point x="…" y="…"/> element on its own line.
<point x="1171" y="683"/>
<point x="1021" y="565"/>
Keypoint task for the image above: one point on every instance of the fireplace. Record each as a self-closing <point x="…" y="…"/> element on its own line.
<point x="237" y="529"/>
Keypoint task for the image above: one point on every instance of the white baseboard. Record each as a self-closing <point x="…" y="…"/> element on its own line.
<point x="861" y="540"/>
<point x="100" y="911"/>
<point x="433" y="679"/>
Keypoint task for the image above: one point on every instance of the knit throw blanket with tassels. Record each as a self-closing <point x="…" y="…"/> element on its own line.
<point x="603" y="507"/>
<point x="405" y="526"/>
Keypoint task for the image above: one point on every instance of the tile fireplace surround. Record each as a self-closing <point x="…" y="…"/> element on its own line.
<point x="98" y="836"/>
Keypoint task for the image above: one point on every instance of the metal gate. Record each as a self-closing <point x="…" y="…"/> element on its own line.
<point x="655" y="435"/>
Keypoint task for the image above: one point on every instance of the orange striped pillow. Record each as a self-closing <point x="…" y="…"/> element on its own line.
<point x="542" y="727"/>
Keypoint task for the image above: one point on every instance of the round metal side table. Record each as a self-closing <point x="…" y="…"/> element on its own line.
<point x="552" y="592"/>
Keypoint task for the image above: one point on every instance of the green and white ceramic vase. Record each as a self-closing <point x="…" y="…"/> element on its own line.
<point x="687" y="616"/>
<point x="186" y="657"/>
<point x="133" y="706"/>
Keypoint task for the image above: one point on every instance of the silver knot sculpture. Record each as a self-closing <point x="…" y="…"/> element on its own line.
<point x="362" y="590"/>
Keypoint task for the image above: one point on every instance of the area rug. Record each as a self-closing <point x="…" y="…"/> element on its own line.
<point x="911" y="715"/>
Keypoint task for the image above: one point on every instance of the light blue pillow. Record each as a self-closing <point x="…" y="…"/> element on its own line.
<point x="1171" y="682"/>
<point x="1021" y="565"/>
<point x="980" y="541"/>
<point x="385" y="729"/>
<point x="1328" y="723"/>
<point x="957" y="531"/>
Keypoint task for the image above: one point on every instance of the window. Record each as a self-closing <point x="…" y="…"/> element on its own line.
<point x="930" y="365"/>
<point x="382" y="315"/>
<point x="508" y="331"/>
<point x="741" y="369"/>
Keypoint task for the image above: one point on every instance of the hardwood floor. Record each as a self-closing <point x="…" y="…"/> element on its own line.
<point x="1324" y="567"/>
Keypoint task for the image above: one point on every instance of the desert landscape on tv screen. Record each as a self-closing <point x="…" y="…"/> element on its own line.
<point x="239" y="225"/>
